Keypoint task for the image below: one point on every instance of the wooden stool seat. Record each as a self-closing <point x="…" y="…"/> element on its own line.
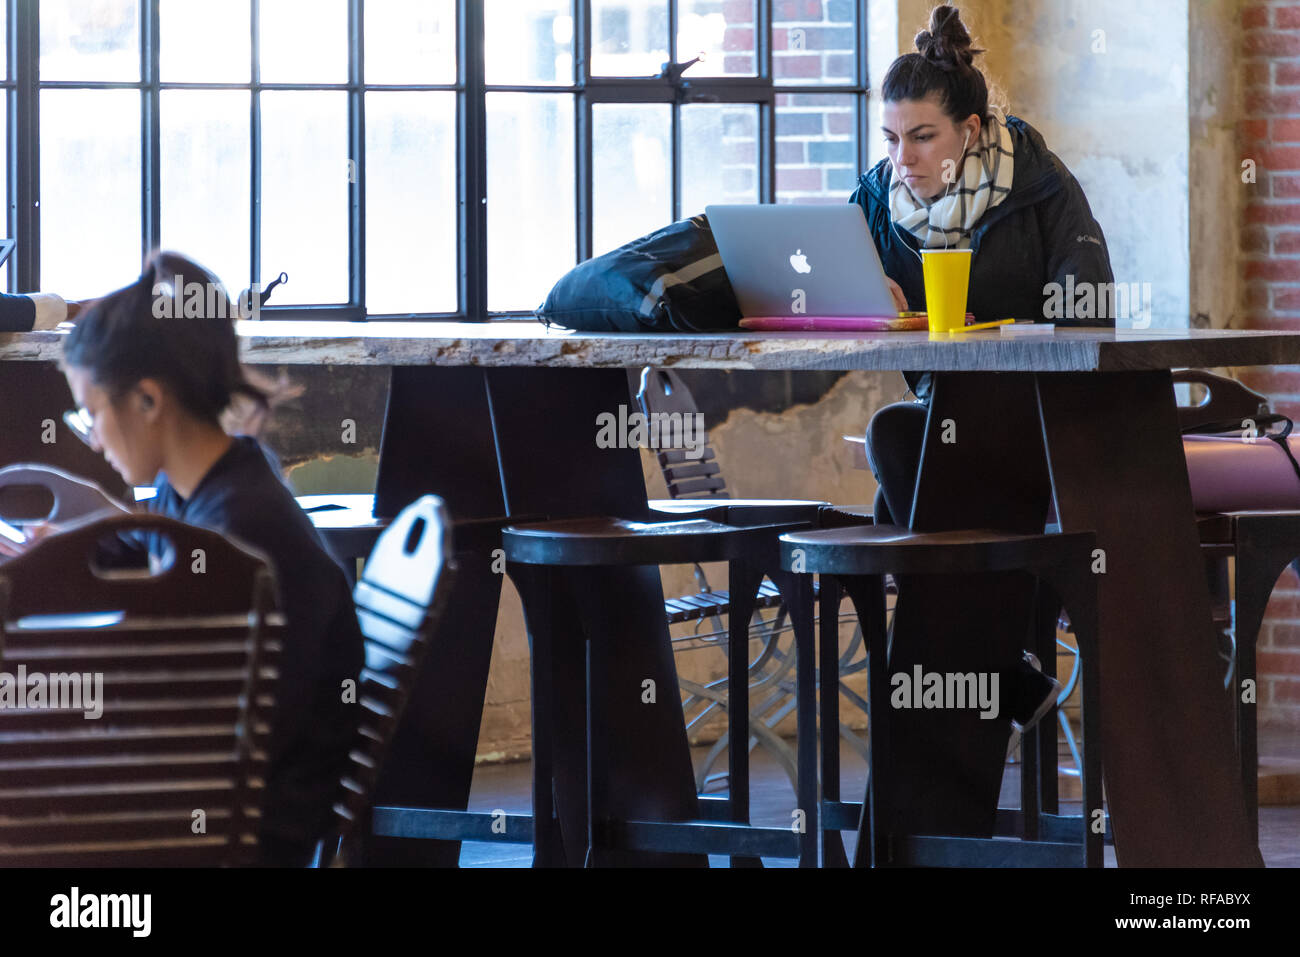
<point x="881" y="549"/>
<point x="618" y="541"/>
<point x="739" y="511"/>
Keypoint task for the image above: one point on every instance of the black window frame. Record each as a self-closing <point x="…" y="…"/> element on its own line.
<point x="22" y="86"/>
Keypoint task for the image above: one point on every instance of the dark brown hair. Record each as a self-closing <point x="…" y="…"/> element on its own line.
<point x="157" y="328"/>
<point x="944" y="63"/>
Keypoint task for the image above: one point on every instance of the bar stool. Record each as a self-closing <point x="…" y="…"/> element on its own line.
<point x="536" y="554"/>
<point x="857" y="558"/>
<point x="1263" y="544"/>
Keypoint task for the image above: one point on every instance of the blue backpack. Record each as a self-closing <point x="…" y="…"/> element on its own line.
<point x="669" y="281"/>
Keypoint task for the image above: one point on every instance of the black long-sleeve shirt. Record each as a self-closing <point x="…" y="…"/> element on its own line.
<point x="244" y="498"/>
<point x="17" y="313"/>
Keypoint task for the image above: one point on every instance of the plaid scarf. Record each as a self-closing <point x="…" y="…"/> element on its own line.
<point x="985" y="182"/>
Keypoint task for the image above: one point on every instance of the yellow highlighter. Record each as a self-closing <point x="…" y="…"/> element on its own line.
<point x="982" y="325"/>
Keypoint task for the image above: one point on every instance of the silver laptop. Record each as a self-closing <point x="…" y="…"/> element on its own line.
<point x="788" y="260"/>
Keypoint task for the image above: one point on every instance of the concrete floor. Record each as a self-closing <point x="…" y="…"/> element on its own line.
<point x="507" y="786"/>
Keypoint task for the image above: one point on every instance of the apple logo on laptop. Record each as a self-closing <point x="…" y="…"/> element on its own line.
<point x="800" y="262"/>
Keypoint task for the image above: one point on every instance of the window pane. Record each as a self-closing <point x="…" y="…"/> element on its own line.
<point x="410" y="41"/>
<point x="204" y="41"/>
<point x="305" y="195"/>
<point x="719" y="155"/>
<point x="721" y="30"/>
<point x="629" y="37"/>
<point x="90" y="41"/>
<point x="816" y="148"/>
<point x="529" y="41"/>
<point x="410" y="202"/>
<point x="304" y="41"/>
<point x="205" y="175"/>
<point x="813" y="41"/>
<point x="531" y="238"/>
<point x="631" y="175"/>
<point x="90" y="191"/>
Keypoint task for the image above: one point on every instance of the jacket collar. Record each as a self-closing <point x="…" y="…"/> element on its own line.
<point x="1037" y="174"/>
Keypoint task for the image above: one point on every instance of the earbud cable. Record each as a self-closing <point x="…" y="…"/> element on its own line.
<point x="894" y="226"/>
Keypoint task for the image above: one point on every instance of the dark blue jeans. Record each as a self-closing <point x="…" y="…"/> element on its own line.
<point x="894" y="440"/>
<point x="947" y="764"/>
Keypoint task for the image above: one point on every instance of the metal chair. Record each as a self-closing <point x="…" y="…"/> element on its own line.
<point x="182" y="665"/>
<point x="697" y="489"/>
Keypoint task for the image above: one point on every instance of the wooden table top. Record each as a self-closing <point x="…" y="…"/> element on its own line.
<point x="526" y="343"/>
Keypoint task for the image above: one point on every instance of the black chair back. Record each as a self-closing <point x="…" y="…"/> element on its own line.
<point x="399" y="600"/>
<point x="134" y="725"/>
<point x="662" y="392"/>
<point x="1225" y="399"/>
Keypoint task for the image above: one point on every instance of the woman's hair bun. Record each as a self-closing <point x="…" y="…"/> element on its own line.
<point x="946" y="44"/>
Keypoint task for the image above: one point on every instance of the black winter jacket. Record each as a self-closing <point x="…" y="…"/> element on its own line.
<point x="243" y="496"/>
<point x="1043" y="231"/>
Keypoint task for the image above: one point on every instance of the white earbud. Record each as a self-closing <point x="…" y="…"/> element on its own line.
<point x="894" y="228"/>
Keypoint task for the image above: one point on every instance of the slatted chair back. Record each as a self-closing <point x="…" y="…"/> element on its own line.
<point x="1226" y="399"/>
<point x="399" y="599"/>
<point x="663" y="393"/>
<point x="165" y="688"/>
<point x="32" y="492"/>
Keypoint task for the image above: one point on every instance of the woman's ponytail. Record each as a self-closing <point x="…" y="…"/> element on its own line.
<point x="947" y="44"/>
<point x="944" y="63"/>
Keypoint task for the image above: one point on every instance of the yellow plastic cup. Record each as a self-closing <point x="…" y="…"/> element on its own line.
<point x="947" y="280"/>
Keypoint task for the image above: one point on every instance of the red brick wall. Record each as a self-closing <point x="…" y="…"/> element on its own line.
<point x="1269" y="134"/>
<point x="812" y="43"/>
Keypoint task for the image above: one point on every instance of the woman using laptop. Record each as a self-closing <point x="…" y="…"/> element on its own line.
<point x="961" y="174"/>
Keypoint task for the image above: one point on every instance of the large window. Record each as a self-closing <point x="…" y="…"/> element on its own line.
<point x="434" y="158"/>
